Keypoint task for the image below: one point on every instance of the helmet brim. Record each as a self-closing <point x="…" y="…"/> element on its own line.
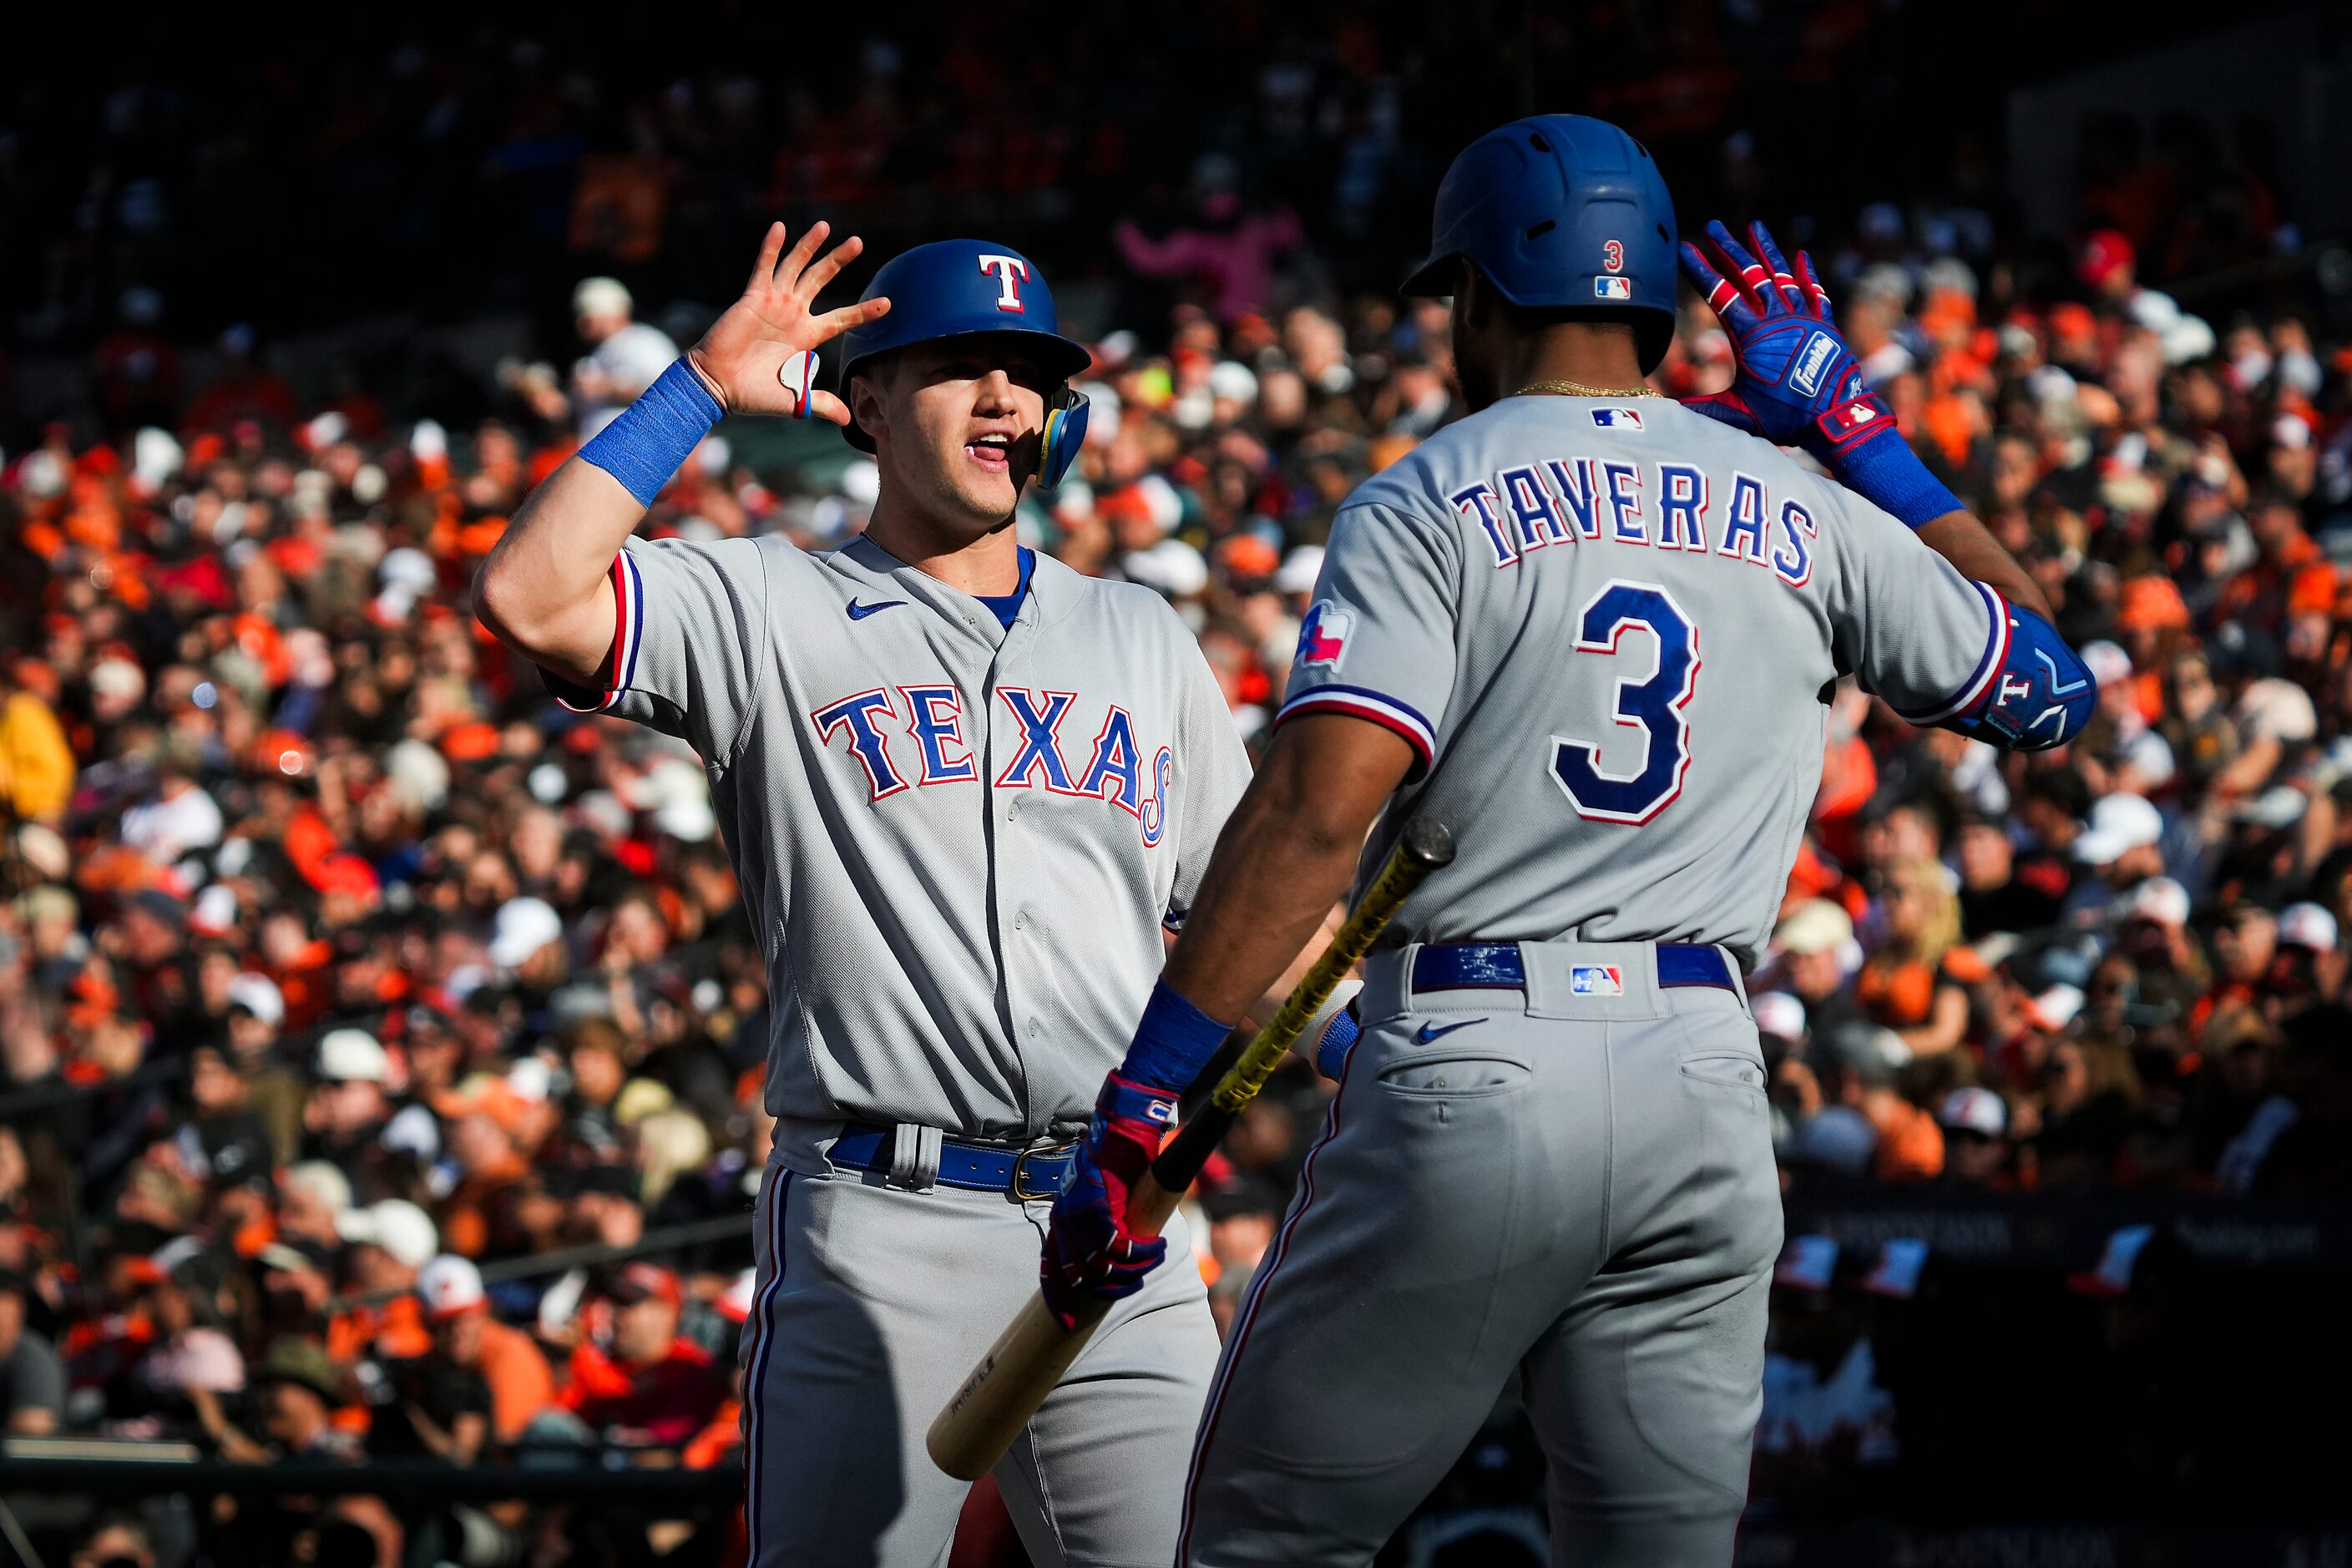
<point x="1065" y="357"/>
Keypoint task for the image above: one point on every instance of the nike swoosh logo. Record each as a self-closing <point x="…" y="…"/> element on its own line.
<point x="1431" y="1032"/>
<point x="858" y="611"/>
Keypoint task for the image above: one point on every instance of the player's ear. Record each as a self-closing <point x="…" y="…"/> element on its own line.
<point x="1473" y="296"/>
<point x="868" y="404"/>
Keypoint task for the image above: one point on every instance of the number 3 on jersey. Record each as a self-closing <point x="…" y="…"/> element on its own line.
<point x="1654" y="705"/>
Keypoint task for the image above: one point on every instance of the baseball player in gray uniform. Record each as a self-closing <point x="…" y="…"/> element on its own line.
<point x="1592" y="632"/>
<point x="964" y="788"/>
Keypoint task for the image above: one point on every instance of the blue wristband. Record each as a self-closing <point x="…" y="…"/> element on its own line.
<point x="1173" y="1042"/>
<point x="655" y="435"/>
<point x="1886" y="471"/>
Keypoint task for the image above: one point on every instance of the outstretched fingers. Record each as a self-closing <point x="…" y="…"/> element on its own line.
<point x="1722" y="296"/>
<point x="1770" y="253"/>
<point x="789" y="270"/>
<point x="770" y="247"/>
<point x="1817" y="297"/>
<point x="850" y="317"/>
<point x="828" y="268"/>
<point x="1752" y="276"/>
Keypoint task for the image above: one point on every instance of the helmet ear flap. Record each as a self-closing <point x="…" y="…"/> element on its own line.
<point x="1065" y="433"/>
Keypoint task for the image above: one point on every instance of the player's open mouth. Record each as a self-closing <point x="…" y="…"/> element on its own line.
<point x="993" y="453"/>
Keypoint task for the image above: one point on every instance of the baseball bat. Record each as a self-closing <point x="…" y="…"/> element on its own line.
<point x="1028" y="1359"/>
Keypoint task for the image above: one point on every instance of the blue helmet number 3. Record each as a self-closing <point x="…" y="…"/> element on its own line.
<point x="1654" y="705"/>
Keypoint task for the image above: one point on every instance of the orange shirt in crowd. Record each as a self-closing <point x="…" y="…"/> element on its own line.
<point x="521" y="1383"/>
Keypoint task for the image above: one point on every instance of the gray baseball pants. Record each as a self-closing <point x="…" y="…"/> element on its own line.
<point x="1575" y="1190"/>
<point x="872" y="1304"/>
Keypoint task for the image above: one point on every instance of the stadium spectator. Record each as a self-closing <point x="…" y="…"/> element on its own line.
<point x="32" y="1378"/>
<point x="648" y="1385"/>
<point x="625" y="356"/>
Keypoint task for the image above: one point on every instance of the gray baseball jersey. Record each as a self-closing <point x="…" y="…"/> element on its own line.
<point x="1607" y="630"/>
<point x="957" y="841"/>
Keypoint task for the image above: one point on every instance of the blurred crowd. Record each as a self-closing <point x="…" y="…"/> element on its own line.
<point x="381" y="1043"/>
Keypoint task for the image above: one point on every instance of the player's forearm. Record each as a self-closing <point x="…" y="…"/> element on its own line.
<point x="546" y="590"/>
<point x="1287" y="853"/>
<point x="543" y="592"/>
<point x="1960" y="539"/>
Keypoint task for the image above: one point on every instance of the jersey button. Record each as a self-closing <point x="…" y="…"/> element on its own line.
<point x="1021" y="923"/>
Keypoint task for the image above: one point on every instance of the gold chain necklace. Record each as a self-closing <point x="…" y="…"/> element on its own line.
<point x="1578" y="389"/>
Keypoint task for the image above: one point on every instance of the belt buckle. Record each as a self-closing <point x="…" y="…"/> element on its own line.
<point x="1020" y="1186"/>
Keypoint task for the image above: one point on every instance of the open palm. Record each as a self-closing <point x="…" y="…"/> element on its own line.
<point x="741" y="356"/>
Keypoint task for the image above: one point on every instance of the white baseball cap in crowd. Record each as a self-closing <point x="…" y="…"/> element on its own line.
<point x="257" y="995"/>
<point x="1300" y="568"/>
<point x="396" y="1225"/>
<point x="1777" y="1013"/>
<point x="2120" y="823"/>
<point x="2308" y="925"/>
<point x="353" y="1055"/>
<point x="1817" y="925"/>
<point x="2161" y="900"/>
<point x="601" y="297"/>
<point x="449" y="1286"/>
<point x="2107" y="662"/>
<point x="523" y="926"/>
<point x="1973" y="1110"/>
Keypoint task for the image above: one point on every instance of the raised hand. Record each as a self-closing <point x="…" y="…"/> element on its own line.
<point x="747" y="358"/>
<point x="1799" y="383"/>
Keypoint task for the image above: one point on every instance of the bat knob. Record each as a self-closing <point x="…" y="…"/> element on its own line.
<point x="1430" y="843"/>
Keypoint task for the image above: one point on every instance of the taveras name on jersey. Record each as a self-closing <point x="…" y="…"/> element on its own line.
<point x="1606" y="632"/>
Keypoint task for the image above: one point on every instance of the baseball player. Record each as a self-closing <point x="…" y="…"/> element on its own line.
<point x="964" y="788"/>
<point x="1592" y="632"/>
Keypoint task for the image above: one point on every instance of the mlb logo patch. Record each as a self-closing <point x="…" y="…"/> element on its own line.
<point x="1613" y="287"/>
<point x="1597" y="979"/>
<point x="1618" y="418"/>
<point x="1812" y="360"/>
<point x="1323" y="635"/>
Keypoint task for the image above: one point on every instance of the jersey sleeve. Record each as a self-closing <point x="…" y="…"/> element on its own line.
<point x="1212" y="771"/>
<point x="688" y="620"/>
<point x="1911" y="629"/>
<point x="1378" y="642"/>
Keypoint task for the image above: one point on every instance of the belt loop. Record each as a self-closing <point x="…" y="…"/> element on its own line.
<point x="915" y="1156"/>
<point x="1536" y="988"/>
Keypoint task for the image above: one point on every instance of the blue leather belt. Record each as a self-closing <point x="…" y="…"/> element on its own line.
<point x="1496" y="967"/>
<point x="1025" y="1174"/>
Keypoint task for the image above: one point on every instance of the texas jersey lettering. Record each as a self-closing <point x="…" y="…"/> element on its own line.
<point x="928" y="722"/>
<point x="985" y="825"/>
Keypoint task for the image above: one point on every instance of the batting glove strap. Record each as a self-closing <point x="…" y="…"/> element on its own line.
<point x="1858" y="442"/>
<point x="1130" y="1105"/>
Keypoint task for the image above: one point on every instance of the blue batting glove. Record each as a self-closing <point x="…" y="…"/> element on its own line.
<point x="1799" y="383"/>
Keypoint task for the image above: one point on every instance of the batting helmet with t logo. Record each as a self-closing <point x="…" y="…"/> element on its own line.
<point x="969" y="288"/>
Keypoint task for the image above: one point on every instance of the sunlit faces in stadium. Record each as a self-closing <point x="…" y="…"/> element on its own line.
<point x="956" y="425"/>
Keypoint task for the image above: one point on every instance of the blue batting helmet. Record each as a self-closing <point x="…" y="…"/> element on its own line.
<point x="1560" y="212"/>
<point x="963" y="288"/>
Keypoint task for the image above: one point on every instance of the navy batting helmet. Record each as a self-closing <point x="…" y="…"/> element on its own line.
<point x="964" y="288"/>
<point x="1560" y="212"/>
